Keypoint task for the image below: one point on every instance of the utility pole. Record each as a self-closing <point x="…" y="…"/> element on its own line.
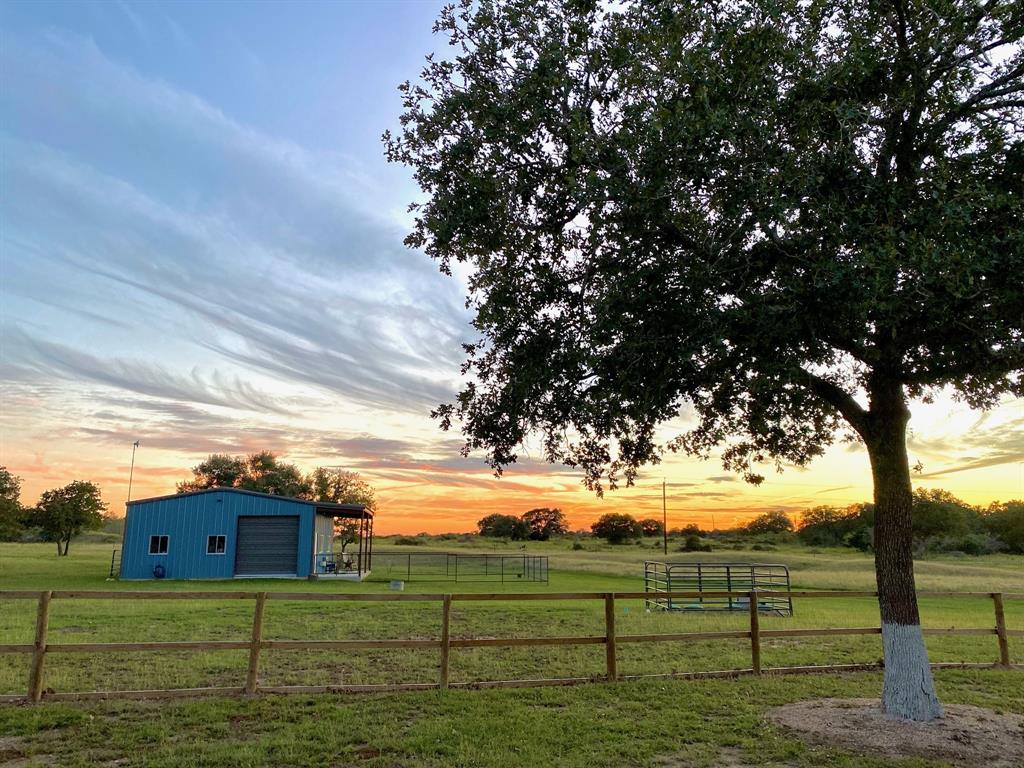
<point x="664" y="518"/>
<point x="131" y="471"/>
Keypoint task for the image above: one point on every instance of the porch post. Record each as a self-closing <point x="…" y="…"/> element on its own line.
<point x="359" y="561"/>
<point x="369" y="559"/>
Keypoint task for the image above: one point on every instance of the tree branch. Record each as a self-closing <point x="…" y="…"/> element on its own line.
<point x="839" y="399"/>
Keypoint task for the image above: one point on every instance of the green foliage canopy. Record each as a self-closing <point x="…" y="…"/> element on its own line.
<point x="500" y="526"/>
<point x="617" y="528"/>
<point x="1005" y="521"/>
<point x="774" y="521"/>
<point x="12" y="514"/>
<point x="652" y="526"/>
<point x="769" y="210"/>
<point x="543" y="523"/>
<point x="63" y="513"/>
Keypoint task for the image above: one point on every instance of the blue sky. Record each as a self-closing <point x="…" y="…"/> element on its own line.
<point x="201" y="247"/>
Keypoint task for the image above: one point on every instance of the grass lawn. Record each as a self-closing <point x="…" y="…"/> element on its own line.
<point x="637" y="723"/>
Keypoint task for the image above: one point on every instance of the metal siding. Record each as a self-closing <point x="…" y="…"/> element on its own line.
<point x="190" y="519"/>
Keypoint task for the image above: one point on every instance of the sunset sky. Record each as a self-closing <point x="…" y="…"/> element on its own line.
<point x="201" y="248"/>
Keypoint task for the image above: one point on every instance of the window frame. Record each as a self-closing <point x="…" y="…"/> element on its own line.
<point x="223" y="541"/>
<point x="166" y="542"/>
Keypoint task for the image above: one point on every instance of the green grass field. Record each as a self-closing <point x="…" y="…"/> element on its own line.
<point x="636" y="723"/>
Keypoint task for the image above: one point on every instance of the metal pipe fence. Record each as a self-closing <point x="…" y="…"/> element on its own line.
<point x="456" y="566"/>
<point x="768" y="580"/>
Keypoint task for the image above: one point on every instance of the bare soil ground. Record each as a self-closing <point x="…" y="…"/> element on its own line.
<point x="965" y="736"/>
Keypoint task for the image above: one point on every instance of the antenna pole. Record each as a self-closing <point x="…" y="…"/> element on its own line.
<point x="131" y="471"/>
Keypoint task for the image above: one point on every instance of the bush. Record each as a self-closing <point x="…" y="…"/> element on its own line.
<point x="764" y="548"/>
<point x="693" y="543"/>
<point x="577" y="546"/>
<point x="861" y="539"/>
<point x="972" y="544"/>
<point x="408" y="541"/>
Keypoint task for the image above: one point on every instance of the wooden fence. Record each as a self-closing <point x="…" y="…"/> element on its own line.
<point x="610" y="639"/>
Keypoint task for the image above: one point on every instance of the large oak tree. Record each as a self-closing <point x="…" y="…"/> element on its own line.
<point x="795" y="217"/>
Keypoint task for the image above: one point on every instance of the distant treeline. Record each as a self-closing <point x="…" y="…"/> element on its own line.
<point x="941" y="523"/>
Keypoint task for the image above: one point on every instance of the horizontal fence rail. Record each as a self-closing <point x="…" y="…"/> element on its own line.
<point x="40" y="647"/>
<point x="458" y="566"/>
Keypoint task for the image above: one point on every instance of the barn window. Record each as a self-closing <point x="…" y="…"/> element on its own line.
<point x="158" y="545"/>
<point x="215" y="545"/>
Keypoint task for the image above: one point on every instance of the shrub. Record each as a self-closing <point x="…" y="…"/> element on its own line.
<point x="408" y="541"/>
<point x="577" y="546"/>
<point x="693" y="543"/>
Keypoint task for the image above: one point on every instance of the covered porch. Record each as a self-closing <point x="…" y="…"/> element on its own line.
<point x="353" y="525"/>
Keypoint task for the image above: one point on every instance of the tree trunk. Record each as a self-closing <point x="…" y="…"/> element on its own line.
<point x="908" y="692"/>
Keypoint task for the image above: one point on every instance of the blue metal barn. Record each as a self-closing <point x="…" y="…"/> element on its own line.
<point x="224" y="533"/>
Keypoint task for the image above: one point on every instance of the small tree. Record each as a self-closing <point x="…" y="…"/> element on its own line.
<point x="543" y="523"/>
<point x="651" y="527"/>
<point x="500" y="526"/>
<point x="340" y="486"/>
<point x="775" y="521"/>
<point x="12" y="514"/>
<point x="63" y="513"/>
<point x="616" y="528"/>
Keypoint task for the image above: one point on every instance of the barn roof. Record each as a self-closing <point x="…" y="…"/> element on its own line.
<point x="359" y="510"/>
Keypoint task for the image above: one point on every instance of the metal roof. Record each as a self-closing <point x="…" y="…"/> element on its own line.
<point x="324" y="505"/>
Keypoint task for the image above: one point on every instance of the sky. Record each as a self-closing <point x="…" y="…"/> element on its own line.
<point x="201" y="249"/>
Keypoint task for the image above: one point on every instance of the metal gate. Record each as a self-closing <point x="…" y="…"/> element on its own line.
<point x="267" y="546"/>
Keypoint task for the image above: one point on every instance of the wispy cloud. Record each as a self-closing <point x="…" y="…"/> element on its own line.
<point x="268" y="252"/>
<point x="49" y="359"/>
<point x="984" y="445"/>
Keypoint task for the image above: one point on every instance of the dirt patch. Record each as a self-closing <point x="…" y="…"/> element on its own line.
<point x="728" y="757"/>
<point x="13" y="756"/>
<point x="965" y="736"/>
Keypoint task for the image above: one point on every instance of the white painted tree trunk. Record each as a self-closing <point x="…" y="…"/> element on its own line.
<point x="908" y="692"/>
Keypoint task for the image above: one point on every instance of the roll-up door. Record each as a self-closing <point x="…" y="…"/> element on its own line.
<point x="267" y="546"/>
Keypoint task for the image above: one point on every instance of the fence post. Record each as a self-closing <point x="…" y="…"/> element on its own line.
<point x="35" y="676"/>
<point x="1004" y="646"/>
<point x="252" y="677"/>
<point x="755" y="634"/>
<point x="609" y="640"/>
<point x="446" y="647"/>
